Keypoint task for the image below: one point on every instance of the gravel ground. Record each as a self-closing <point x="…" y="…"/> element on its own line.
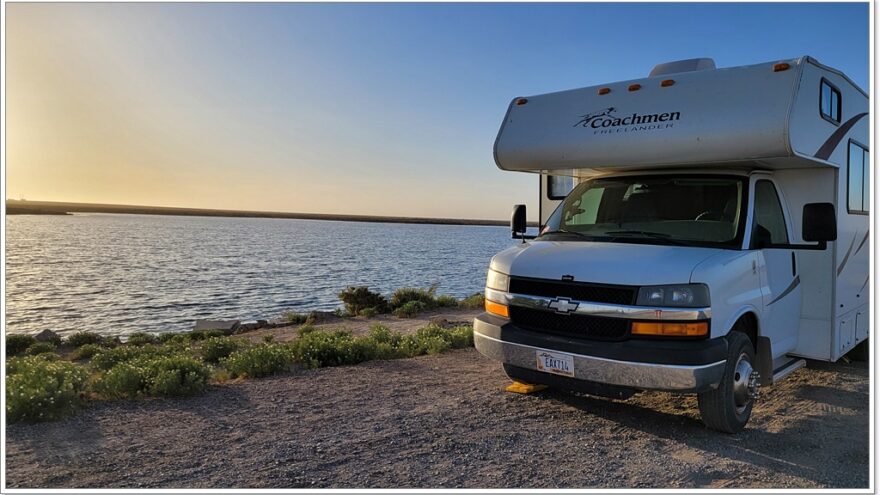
<point x="444" y="421"/>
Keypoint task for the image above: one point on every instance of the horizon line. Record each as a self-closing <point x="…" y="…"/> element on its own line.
<point x="24" y="206"/>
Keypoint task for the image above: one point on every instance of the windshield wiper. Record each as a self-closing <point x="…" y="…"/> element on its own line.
<point x="653" y="235"/>
<point x="563" y="231"/>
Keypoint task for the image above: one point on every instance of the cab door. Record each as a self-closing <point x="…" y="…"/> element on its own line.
<point x="777" y="267"/>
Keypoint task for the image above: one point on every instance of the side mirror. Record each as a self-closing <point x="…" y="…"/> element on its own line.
<point x="819" y="223"/>
<point x="518" y="220"/>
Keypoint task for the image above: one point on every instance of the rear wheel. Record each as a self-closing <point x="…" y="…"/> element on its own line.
<point x="729" y="406"/>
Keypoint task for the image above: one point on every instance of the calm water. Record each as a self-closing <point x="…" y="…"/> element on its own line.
<point x="118" y="274"/>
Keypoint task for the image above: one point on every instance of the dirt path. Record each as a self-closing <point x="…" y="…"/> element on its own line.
<point x="443" y="421"/>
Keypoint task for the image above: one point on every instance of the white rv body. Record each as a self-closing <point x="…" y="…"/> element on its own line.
<point x="764" y="123"/>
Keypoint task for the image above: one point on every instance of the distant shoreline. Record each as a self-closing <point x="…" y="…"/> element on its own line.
<point x="18" y="207"/>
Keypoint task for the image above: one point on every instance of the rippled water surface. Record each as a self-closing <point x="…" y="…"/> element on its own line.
<point x="118" y="274"/>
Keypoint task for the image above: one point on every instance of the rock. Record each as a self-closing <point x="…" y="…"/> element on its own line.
<point x="262" y="323"/>
<point x="48" y="336"/>
<point x="227" y="326"/>
<point x="321" y="316"/>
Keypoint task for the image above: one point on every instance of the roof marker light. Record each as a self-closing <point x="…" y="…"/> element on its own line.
<point x="634" y="87"/>
<point x="780" y="67"/>
<point x="521" y="101"/>
<point x="604" y="91"/>
<point x="666" y="83"/>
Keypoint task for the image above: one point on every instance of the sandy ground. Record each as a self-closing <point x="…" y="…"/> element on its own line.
<point x="444" y="421"/>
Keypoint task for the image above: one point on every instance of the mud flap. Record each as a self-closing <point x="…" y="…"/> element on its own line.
<point x="764" y="361"/>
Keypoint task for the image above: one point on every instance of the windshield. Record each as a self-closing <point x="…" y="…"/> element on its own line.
<point x="688" y="210"/>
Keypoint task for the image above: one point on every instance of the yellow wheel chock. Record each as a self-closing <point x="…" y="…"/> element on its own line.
<point x="524" y="388"/>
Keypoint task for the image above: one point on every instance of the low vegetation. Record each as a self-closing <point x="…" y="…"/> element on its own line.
<point x="46" y="380"/>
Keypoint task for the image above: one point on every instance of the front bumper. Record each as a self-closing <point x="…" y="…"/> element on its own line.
<point x="683" y="366"/>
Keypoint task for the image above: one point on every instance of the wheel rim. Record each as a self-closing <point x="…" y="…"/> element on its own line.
<point x="741" y="373"/>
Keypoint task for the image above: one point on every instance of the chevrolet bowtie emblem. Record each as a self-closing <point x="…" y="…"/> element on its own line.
<point x="563" y="305"/>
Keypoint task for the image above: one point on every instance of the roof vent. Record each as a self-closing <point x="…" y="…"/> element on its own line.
<point x="689" y="65"/>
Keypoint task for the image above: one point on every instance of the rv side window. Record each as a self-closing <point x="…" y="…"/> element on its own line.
<point x="559" y="186"/>
<point x="858" y="171"/>
<point x="769" y="219"/>
<point x="829" y="102"/>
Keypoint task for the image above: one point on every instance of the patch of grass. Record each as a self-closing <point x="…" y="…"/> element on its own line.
<point x="141" y="338"/>
<point x="40" y="348"/>
<point x="368" y="312"/>
<point x="410" y="309"/>
<point x="258" y="361"/>
<point x="17" y="344"/>
<point x="294" y="317"/>
<point x="268" y="338"/>
<point x="403" y="296"/>
<point x="86" y="351"/>
<point x="475" y="301"/>
<point x="445" y="301"/>
<point x="217" y="348"/>
<point x="82" y="338"/>
<point x="357" y="299"/>
<point x="40" y="389"/>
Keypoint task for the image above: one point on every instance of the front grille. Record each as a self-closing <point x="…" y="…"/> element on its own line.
<point x="579" y="291"/>
<point x="571" y="325"/>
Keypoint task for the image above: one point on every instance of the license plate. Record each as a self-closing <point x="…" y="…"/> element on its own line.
<point x="556" y="363"/>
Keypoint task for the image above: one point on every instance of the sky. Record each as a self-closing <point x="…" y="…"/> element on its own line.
<point x="375" y="109"/>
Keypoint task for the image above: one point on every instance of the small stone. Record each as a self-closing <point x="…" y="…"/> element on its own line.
<point x="227" y="326"/>
<point x="47" y="336"/>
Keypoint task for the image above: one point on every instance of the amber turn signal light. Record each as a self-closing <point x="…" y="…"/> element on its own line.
<point x="634" y="87"/>
<point x="697" y="329"/>
<point x="667" y="82"/>
<point x="496" y="309"/>
<point x="604" y="91"/>
<point x="780" y="67"/>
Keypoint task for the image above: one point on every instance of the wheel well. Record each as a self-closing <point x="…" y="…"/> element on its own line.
<point x="748" y="324"/>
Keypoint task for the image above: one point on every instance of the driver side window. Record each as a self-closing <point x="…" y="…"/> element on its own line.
<point x="769" y="223"/>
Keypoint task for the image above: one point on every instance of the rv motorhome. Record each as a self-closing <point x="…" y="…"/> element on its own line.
<point x="702" y="231"/>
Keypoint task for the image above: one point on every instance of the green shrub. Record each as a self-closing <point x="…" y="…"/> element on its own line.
<point x="18" y="364"/>
<point x="305" y="329"/>
<point x="170" y="376"/>
<point x="141" y="338"/>
<point x="268" y="338"/>
<point x="86" y="351"/>
<point x="17" y="344"/>
<point x="319" y="348"/>
<point x="82" y="338"/>
<point x="475" y="301"/>
<point x="174" y="375"/>
<point x="295" y="318"/>
<point x="360" y="298"/>
<point x="172" y="337"/>
<point x="42" y="389"/>
<point x="406" y="295"/>
<point x="368" y="312"/>
<point x="205" y="334"/>
<point x="258" y="361"/>
<point x="383" y="335"/>
<point x="410" y="309"/>
<point x="216" y="348"/>
<point x="40" y="348"/>
<point x="108" y="358"/>
<point x="123" y="380"/>
<point x="457" y="337"/>
<point x="445" y="301"/>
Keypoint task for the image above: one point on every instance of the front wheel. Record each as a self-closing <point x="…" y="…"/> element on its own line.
<point x="729" y="406"/>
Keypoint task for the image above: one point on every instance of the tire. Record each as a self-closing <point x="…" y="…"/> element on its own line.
<point x="518" y="374"/>
<point x="861" y="352"/>
<point x="723" y="409"/>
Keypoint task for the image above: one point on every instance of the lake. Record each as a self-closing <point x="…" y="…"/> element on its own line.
<point x="119" y="274"/>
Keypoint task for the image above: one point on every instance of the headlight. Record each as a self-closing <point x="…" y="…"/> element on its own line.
<point x="497" y="280"/>
<point x="683" y="296"/>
